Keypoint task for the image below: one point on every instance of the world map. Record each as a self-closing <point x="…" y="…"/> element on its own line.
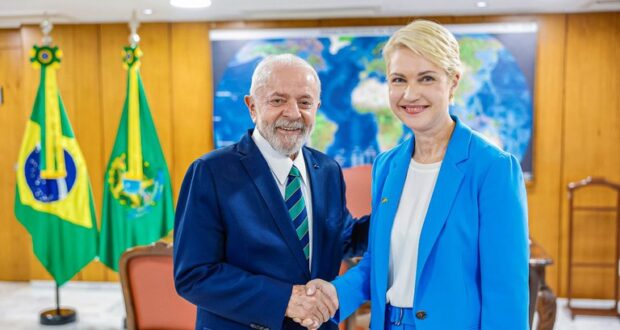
<point x="354" y="123"/>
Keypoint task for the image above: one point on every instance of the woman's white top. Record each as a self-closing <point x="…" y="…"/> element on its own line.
<point x="406" y="230"/>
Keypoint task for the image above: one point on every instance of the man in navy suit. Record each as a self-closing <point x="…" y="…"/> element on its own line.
<point x="257" y="220"/>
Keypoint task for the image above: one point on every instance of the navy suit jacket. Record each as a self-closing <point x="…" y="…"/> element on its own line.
<point x="236" y="253"/>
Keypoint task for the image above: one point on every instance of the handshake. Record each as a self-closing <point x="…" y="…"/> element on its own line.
<point x="312" y="304"/>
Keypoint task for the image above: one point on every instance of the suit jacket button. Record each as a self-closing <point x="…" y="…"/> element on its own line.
<point x="420" y="315"/>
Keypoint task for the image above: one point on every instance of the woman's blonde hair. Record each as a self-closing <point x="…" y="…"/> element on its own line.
<point x="430" y="40"/>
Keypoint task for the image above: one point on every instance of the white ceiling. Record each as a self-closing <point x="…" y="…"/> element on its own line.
<point x="13" y="13"/>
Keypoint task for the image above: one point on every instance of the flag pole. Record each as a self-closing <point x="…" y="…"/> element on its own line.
<point x="57" y="316"/>
<point x="134" y="24"/>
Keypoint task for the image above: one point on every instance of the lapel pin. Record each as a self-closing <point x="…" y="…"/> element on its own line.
<point x="384" y="200"/>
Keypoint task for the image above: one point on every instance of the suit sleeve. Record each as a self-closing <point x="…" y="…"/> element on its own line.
<point x="504" y="247"/>
<point x="201" y="273"/>
<point x="354" y="230"/>
<point x="355" y="234"/>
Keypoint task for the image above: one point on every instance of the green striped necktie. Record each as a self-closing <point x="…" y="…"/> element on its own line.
<point x="296" y="206"/>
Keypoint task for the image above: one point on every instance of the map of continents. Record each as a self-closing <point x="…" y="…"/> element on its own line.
<point x="354" y="122"/>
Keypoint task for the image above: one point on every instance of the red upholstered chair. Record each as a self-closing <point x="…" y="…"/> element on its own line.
<point x="358" y="181"/>
<point x="151" y="302"/>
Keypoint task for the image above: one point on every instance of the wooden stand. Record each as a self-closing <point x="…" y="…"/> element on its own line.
<point x="572" y="265"/>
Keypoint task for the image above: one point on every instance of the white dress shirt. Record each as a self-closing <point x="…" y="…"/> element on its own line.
<point x="280" y="166"/>
<point x="406" y="230"/>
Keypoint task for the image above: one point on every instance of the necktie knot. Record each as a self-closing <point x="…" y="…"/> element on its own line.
<point x="294" y="172"/>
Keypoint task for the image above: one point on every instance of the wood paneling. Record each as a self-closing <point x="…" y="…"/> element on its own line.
<point x="591" y="135"/>
<point x="10" y="39"/>
<point x="156" y="75"/>
<point x="87" y="119"/>
<point x="192" y="94"/>
<point x="545" y="193"/>
<point x="113" y="80"/>
<point x="575" y="126"/>
<point x="14" y="252"/>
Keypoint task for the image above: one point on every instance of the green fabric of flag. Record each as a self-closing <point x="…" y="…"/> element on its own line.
<point x="53" y="196"/>
<point x="137" y="197"/>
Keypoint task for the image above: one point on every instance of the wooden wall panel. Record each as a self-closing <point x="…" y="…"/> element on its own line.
<point x="86" y="120"/>
<point x="10" y="39"/>
<point x="14" y="253"/>
<point x="544" y="194"/>
<point x="192" y="95"/>
<point x="113" y="77"/>
<point x="591" y="131"/>
<point x="156" y="75"/>
<point x="113" y="81"/>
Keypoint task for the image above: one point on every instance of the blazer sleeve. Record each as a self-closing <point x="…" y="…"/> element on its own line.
<point x="504" y="247"/>
<point x="201" y="273"/>
<point x="353" y="287"/>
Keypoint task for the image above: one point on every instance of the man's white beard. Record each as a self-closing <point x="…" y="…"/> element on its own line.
<point x="285" y="145"/>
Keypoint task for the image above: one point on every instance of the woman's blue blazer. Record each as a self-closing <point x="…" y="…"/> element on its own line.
<point x="472" y="268"/>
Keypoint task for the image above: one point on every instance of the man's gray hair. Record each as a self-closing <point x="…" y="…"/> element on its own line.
<point x="265" y="68"/>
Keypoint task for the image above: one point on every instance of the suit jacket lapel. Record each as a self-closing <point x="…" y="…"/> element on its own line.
<point x="446" y="188"/>
<point x="317" y="188"/>
<point x="388" y="205"/>
<point x="258" y="170"/>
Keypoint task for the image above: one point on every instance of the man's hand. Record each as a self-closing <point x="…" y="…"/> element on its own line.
<point x="327" y="293"/>
<point x="309" y="310"/>
<point x="327" y="289"/>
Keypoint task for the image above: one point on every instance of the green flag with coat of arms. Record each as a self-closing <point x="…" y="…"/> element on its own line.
<point x="137" y="198"/>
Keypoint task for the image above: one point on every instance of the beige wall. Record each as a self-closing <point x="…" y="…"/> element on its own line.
<point x="577" y="115"/>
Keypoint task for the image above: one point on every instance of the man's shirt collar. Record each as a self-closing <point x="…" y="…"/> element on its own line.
<point x="279" y="164"/>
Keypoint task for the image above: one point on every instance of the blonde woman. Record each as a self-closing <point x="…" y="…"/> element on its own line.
<point x="448" y="246"/>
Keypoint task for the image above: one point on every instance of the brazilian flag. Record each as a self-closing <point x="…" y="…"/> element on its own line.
<point x="137" y="196"/>
<point x="53" y="197"/>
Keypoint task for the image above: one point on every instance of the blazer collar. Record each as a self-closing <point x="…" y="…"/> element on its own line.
<point x="456" y="152"/>
<point x="458" y="147"/>
<point x="446" y="188"/>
